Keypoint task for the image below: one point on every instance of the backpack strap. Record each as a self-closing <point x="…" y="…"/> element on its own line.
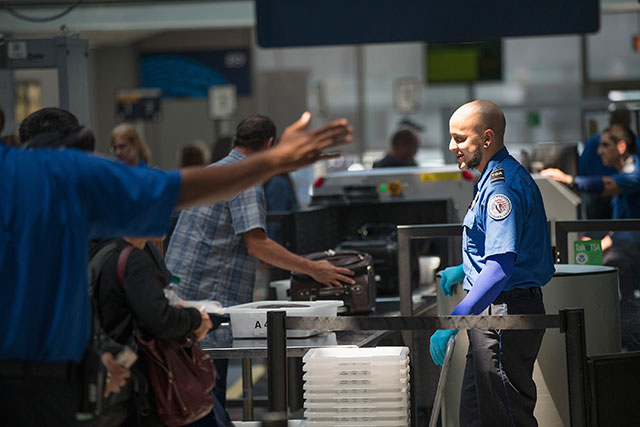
<point x="122" y="263"/>
<point x="97" y="262"/>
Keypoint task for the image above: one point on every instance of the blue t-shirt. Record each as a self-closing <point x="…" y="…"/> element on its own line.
<point x="280" y="197"/>
<point x="627" y="203"/>
<point x="507" y="215"/>
<point x="52" y="202"/>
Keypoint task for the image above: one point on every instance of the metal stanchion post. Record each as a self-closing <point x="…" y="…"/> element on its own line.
<point x="247" y="390"/>
<point x="277" y="361"/>
<point x="572" y="324"/>
<point x="294" y="384"/>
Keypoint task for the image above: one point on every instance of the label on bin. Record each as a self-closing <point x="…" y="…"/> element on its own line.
<point x="259" y="322"/>
<point x="588" y="252"/>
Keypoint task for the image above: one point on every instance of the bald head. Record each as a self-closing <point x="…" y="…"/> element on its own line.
<point x="485" y="115"/>
<point x="477" y="133"/>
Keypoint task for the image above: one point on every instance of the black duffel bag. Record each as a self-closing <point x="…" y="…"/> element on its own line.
<point x="358" y="298"/>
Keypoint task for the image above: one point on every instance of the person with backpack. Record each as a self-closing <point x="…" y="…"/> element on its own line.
<point x="137" y="305"/>
<point x="52" y="202"/>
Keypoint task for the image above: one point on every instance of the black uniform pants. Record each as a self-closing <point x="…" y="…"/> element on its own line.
<point x="498" y="388"/>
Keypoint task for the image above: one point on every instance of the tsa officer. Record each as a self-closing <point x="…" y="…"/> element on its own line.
<point x="507" y="258"/>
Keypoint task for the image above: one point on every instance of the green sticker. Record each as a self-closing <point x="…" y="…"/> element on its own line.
<point x="588" y="252"/>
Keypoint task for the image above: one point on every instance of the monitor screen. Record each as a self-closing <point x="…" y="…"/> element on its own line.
<point x="464" y="62"/>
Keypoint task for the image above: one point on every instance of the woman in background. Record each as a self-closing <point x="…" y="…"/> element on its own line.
<point x="127" y="145"/>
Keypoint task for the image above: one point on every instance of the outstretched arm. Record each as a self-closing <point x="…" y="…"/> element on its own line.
<point x="262" y="247"/>
<point x="298" y="147"/>
<point x="603" y="185"/>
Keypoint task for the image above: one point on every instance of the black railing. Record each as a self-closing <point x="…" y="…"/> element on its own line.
<point x="569" y="321"/>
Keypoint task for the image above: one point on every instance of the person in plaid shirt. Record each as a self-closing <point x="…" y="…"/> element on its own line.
<point x="215" y="249"/>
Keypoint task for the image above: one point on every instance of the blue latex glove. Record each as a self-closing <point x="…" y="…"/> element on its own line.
<point x="451" y="276"/>
<point x="438" y="347"/>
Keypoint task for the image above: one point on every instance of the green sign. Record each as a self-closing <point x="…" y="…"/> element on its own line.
<point x="588" y="252"/>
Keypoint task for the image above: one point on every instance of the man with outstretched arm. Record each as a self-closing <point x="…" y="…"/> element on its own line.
<point x="51" y="203"/>
<point x="507" y="258"/>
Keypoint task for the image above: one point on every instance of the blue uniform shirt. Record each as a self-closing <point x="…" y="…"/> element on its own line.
<point x="51" y="203"/>
<point x="627" y="204"/>
<point x="507" y="215"/>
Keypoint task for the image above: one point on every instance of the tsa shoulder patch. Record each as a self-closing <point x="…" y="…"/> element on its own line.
<point x="499" y="207"/>
<point x="497" y="175"/>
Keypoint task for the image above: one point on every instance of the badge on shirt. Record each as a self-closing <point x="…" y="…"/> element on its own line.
<point x="499" y="207"/>
<point x="497" y="175"/>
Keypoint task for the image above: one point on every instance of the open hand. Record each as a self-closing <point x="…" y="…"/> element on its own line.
<point x="299" y="147"/>
<point x="116" y="374"/>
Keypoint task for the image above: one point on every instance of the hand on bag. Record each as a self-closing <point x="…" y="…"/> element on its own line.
<point x="439" y="341"/>
<point x="329" y="275"/>
<point x="116" y="374"/>
<point x="203" y="329"/>
<point x="451" y="276"/>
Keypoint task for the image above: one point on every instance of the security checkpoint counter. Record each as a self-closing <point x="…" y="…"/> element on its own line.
<point x="221" y="345"/>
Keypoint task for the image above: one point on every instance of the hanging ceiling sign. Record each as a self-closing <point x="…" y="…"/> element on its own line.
<point x="282" y="23"/>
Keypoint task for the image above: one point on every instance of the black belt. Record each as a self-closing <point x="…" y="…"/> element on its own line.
<point x="37" y="369"/>
<point x="534" y="290"/>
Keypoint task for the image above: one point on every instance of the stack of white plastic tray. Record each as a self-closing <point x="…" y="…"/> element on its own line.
<point x="356" y="387"/>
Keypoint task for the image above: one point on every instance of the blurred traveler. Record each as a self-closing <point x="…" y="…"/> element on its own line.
<point x="404" y="146"/>
<point x="590" y="163"/>
<point x="617" y="150"/>
<point x="127" y="145"/>
<point x="139" y="303"/>
<point x="48" y="128"/>
<point x="195" y="153"/>
<point x="53" y="202"/>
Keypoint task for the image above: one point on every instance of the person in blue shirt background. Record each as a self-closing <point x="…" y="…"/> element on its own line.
<point x="622" y="249"/>
<point x="52" y="203"/>
<point x="590" y="164"/>
<point x="507" y="258"/>
<point x="279" y="196"/>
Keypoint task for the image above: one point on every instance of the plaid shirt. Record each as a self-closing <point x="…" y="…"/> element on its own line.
<point x="208" y="252"/>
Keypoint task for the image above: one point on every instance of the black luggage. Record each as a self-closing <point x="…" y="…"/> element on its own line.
<point x="358" y="298"/>
<point x="379" y="241"/>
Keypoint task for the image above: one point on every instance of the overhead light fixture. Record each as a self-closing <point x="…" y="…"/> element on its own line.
<point x="624" y="95"/>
